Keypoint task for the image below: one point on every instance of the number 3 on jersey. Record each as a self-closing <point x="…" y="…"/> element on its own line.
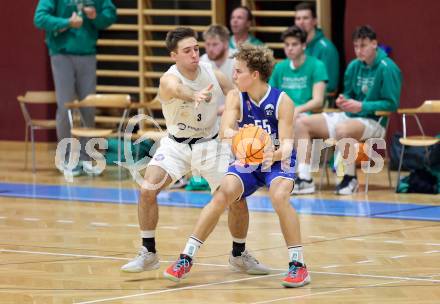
<point x="199" y="117"/>
<point x="263" y="124"/>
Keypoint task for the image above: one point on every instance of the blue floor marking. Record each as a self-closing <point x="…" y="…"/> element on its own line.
<point x="315" y="206"/>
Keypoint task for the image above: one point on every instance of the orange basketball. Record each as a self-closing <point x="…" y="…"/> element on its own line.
<point x="249" y="143"/>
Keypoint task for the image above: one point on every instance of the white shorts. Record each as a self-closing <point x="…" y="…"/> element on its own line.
<point x="372" y="129"/>
<point x="209" y="159"/>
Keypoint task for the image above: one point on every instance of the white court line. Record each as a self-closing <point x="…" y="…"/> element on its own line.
<point x="63" y="254"/>
<point x="375" y="276"/>
<point x="99" y="224"/>
<point x="330" y="266"/>
<point x="393" y="242"/>
<point x="132" y="225"/>
<point x="222" y="265"/>
<point x="2" y="217"/>
<point x="276" y="233"/>
<point x="65" y="221"/>
<point x="323" y="292"/>
<point x="317" y="237"/>
<point x="365" y="261"/>
<point x="399" y="256"/>
<point x="432" y="244"/>
<point x="177" y="289"/>
<point x="355" y="239"/>
<point x="31" y="219"/>
<point x="433" y="251"/>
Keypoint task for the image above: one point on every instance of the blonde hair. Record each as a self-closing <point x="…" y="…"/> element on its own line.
<point x="220" y="31"/>
<point x="257" y="58"/>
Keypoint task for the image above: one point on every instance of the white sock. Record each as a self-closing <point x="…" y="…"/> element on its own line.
<point x="147" y="234"/>
<point x="239" y="241"/>
<point x="296" y="254"/>
<point x="350" y="169"/>
<point x="304" y="171"/>
<point x="192" y="246"/>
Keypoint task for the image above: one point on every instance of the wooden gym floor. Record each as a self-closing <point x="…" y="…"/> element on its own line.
<point x="64" y="242"/>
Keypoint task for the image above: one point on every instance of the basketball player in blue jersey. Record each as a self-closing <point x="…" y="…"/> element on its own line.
<point x="190" y="92"/>
<point x="255" y="102"/>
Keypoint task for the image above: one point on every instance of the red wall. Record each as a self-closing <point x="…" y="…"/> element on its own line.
<point x="412" y="29"/>
<point x="24" y="65"/>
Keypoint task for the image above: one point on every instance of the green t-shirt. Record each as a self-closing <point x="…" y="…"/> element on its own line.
<point x="323" y="49"/>
<point x="298" y="83"/>
<point x="251" y="39"/>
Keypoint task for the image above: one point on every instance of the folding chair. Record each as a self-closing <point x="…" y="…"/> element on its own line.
<point x="35" y="98"/>
<point x="428" y="107"/>
<point x="103" y="101"/>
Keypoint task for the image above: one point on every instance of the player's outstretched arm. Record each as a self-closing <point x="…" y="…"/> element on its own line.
<point x="225" y="84"/>
<point x="171" y="87"/>
<point x="285" y="128"/>
<point x="231" y="115"/>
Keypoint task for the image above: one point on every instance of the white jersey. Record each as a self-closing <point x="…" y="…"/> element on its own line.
<point x="226" y="68"/>
<point x="182" y="118"/>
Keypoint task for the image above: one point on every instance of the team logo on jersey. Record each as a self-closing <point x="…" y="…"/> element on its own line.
<point x="249" y="105"/>
<point x="181" y="126"/>
<point x="269" y="109"/>
<point x="159" y="157"/>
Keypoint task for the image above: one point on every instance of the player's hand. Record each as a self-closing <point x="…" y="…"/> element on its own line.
<point x="90" y="12"/>
<point x="247" y="125"/>
<point x="268" y="158"/>
<point x="229" y="133"/>
<point x="75" y="21"/>
<point x="204" y="95"/>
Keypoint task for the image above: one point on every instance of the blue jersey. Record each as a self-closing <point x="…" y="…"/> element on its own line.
<point x="264" y="115"/>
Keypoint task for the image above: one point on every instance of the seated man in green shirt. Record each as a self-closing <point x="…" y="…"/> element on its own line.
<point x="372" y="82"/>
<point x="302" y="77"/>
<point x="241" y="21"/>
<point x="317" y="44"/>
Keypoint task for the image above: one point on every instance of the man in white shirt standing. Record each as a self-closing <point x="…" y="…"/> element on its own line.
<point x="217" y="49"/>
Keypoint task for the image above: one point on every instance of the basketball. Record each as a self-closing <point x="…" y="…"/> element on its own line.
<point x="249" y="143"/>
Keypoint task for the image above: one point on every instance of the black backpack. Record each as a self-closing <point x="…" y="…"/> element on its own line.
<point x="422" y="181"/>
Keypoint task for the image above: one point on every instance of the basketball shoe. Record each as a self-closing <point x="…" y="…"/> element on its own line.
<point x="297" y="276"/>
<point x="179" y="269"/>
<point x="144" y="261"/>
<point x="247" y="263"/>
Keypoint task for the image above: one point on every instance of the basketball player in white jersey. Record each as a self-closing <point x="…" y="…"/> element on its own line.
<point x="189" y="92"/>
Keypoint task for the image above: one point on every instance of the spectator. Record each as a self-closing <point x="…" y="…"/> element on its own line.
<point x="301" y="76"/>
<point x="241" y="21"/>
<point x="71" y="34"/>
<point x="217" y="49"/>
<point x="372" y="82"/>
<point x="317" y="44"/>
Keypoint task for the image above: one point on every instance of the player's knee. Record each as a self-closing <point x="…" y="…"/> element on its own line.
<point x="238" y="206"/>
<point x="222" y="199"/>
<point x="279" y="199"/>
<point x="148" y="196"/>
<point x="341" y="131"/>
